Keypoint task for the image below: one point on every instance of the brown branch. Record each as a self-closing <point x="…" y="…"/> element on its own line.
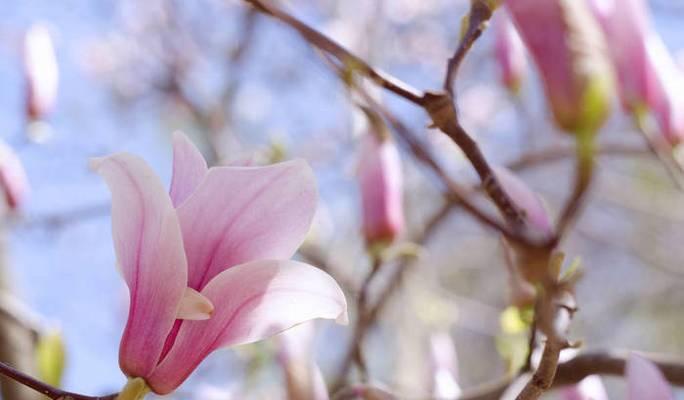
<point x="47" y="390"/>
<point x="478" y="16"/>
<point x="342" y="55"/>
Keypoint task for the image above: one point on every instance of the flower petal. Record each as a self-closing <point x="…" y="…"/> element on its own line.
<point x="252" y="302"/>
<point x="189" y="168"/>
<point x="149" y="250"/>
<point x="241" y="214"/>
<point x="194" y="306"/>
<point x="529" y="201"/>
<point x="645" y="381"/>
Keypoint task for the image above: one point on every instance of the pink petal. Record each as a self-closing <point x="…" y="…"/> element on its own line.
<point x="41" y="71"/>
<point x="380" y="180"/>
<point x="589" y="388"/>
<point x="194" y="306"/>
<point x="12" y="177"/>
<point x="149" y="249"/>
<point x="189" y="168"/>
<point x="645" y="381"/>
<point x="252" y="302"/>
<point x="509" y="51"/>
<point x="241" y="214"/>
<point x="526" y="199"/>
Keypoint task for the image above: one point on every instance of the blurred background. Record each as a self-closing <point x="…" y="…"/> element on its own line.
<point x="244" y="86"/>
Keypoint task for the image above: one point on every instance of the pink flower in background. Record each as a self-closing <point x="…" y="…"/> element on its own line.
<point x="589" y="388"/>
<point x="207" y="266"/>
<point x="13" y="179"/>
<point x="303" y="377"/>
<point x="645" y="381"/>
<point x="668" y="110"/>
<point x="444" y="367"/>
<point x="529" y="202"/>
<point x="381" y="184"/>
<point x="649" y="79"/>
<point x="510" y="52"/>
<point x="626" y="28"/>
<point x="567" y="47"/>
<point x="42" y="73"/>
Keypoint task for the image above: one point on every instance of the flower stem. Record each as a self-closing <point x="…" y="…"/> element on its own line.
<point x="135" y="389"/>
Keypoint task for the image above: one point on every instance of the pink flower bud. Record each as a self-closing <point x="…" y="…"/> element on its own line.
<point x="645" y="381"/>
<point x="566" y="44"/>
<point x="529" y="202"/>
<point x="648" y="77"/>
<point x="42" y="74"/>
<point x="380" y="181"/>
<point x="589" y="388"/>
<point x="12" y="177"/>
<point x="668" y="108"/>
<point x="510" y="52"/>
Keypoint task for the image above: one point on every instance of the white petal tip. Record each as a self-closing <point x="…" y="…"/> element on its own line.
<point x="343" y="318"/>
<point x="194" y="306"/>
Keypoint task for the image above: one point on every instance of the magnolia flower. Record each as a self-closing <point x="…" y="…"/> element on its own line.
<point x="510" y="52"/>
<point x="303" y="377"/>
<point x="529" y="202"/>
<point x="380" y="181"/>
<point x="13" y="179"/>
<point x="566" y="46"/>
<point x="42" y="74"/>
<point x="649" y="80"/>
<point x="444" y="367"/>
<point x="589" y="388"/>
<point x="207" y="265"/>
<point x="645" y="381"/>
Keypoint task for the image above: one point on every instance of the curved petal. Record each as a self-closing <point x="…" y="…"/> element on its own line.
<point x="189" y="168"/>
<point x="252" y="302"/>
<point x="530" y="202"/>
<point x="645" y="381"/>
<point x="241" y="214"/>
<point x="149" y="250"/>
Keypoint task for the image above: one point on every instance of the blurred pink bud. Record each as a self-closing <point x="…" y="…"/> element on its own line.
<point x="668" y="109"/>
<point x="510" y="52"/>
<point x="444" y="367"/>
<point x="42" y="74"/>
<point x="207" y="264"/>
<point x="589" y="388"/>
<point x="528" y="201"/>
<point x="567" y="47"/>
<point x="380" y="180"/>
<point x="303" y="377"/>
<point x="645" y="381"/>
<point x="626" y="28"/>
<point x="13" y="179"/>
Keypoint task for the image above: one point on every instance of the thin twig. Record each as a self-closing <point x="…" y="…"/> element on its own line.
<point x="49" y="391"/>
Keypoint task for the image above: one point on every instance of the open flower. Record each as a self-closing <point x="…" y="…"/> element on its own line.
<point x="207" y="266"/>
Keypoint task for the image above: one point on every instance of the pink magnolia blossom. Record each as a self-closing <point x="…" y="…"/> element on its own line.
<point x="529" y="202"/>
<point x="42" y="73"/>
<point x="381" y="184"/>
<point x="444" y="367"/>
<point x="13" y="179"/>
<point x="303" y="377"/>
<point x="208" y="265"/>
<point x="589" y="388"/>
<point x="648" y="77"/>
<point x="668" y="109"/>
<point x="645" y="381"/>
<point x="509" y="51"/>
<point x="566" y="45"/>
